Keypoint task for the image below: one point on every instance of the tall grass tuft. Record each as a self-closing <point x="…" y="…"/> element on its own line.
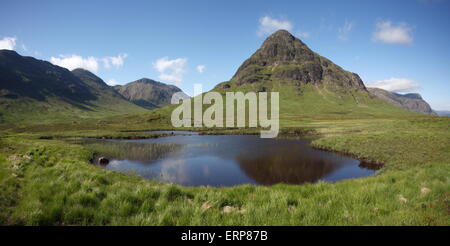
<point x="129" y="150"/>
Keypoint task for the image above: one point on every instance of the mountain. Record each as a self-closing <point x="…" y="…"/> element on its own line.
<point x="104" y="93"/>
<point x="287" y="59"/>
<point x="32" y="89"/>
<point x="28" y="77"/>
<point x="148" y="93"/>
<point x="310" y="86"/>
<point x="412" y="101"/>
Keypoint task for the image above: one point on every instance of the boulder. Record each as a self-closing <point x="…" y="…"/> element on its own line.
<point x="103" y="161"/>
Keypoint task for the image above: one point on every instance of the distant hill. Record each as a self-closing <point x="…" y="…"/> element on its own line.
<point x="148" y="93"/>
<point x="412" y="101"/>
<point x="310" y="86"/>
<point x="442" y="113"/>
<point x="32" y="89"/>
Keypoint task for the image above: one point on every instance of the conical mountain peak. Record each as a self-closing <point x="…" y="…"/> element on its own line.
<point x="283" y="47"/>
<point x="282" y="37"/>
<point x="285" y="58"/>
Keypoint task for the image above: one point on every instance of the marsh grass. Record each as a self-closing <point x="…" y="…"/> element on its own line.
<point x="129" y="150"/>
<point x="54" y="184"/>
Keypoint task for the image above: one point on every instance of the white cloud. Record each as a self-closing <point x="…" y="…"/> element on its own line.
<point x="396" y="85"/>
<point x="90" y="63"/>
<point x="116" y="61"/>
<point x="441" y="106"/>
<point x="172" y="78"/>
<point x="171" y="70"/>
<point x="75" y="61"/>
<point x="303" y="34"/>
<point x="268" y="25"/>
<point x="24" y="47"/>
<point x="112" y="82"/>
<point x="344" y="31"/>
<point x="7" y="43"/>
<point x="388" y="32"/>
<point x="201" y="68"/>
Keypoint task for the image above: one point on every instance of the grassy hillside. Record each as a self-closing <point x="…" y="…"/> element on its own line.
<point x="35" y="91"/>
<point x="313" y="105"/>
<point x="308" y="102"/>
<point x="26" y="111"/>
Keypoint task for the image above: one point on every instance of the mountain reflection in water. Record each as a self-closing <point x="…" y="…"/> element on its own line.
<point x="228" y="160"/>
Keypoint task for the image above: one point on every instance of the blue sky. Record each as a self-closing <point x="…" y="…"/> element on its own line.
<point x="399" y="45"/>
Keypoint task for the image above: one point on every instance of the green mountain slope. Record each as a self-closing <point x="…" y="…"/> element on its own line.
<point x="32" y="90"/>
<point x="310" y="86"/>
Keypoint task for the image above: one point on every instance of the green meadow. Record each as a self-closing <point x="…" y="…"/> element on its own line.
<point x="47" y="178"/>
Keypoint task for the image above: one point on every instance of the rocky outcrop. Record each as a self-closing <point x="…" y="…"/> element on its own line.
<point x="412" y="101"/>
<point x="285" y="58"/>
<point x="148" y="93"/>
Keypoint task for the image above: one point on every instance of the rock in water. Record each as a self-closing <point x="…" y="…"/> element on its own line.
<point x="103" y="161"/>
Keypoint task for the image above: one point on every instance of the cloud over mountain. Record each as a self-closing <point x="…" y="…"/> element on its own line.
<point x="396" y="85"/>
<point x="116" y="61"/>
<point x="391" y="33"/>
<point x="268" y="25"/>
<point x="90" y="63"/>
<point x="8" y="43"/>
<point x="171" y="70"/>
<point x="72" y="62"/>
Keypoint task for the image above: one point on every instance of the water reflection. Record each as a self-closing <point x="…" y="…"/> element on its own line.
<point x="174" y="132"/>
<point x="288" y="167"/>
<point x="228" y="160"/>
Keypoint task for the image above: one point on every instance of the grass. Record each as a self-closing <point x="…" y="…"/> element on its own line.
<point x="51" y="182"/>
<point x="47" y="179"/>
<point x="129" y="150"/>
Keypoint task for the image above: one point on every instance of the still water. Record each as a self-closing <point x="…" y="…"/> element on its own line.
<point x="175" y="132"/>
<point x="228" y="160"/>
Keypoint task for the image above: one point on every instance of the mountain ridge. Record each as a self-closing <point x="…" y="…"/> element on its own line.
<point x="411" y="101"/>
<point x="32" y="89"/>
<point x="28" y="76"/>
<point x="148" y="93"/>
